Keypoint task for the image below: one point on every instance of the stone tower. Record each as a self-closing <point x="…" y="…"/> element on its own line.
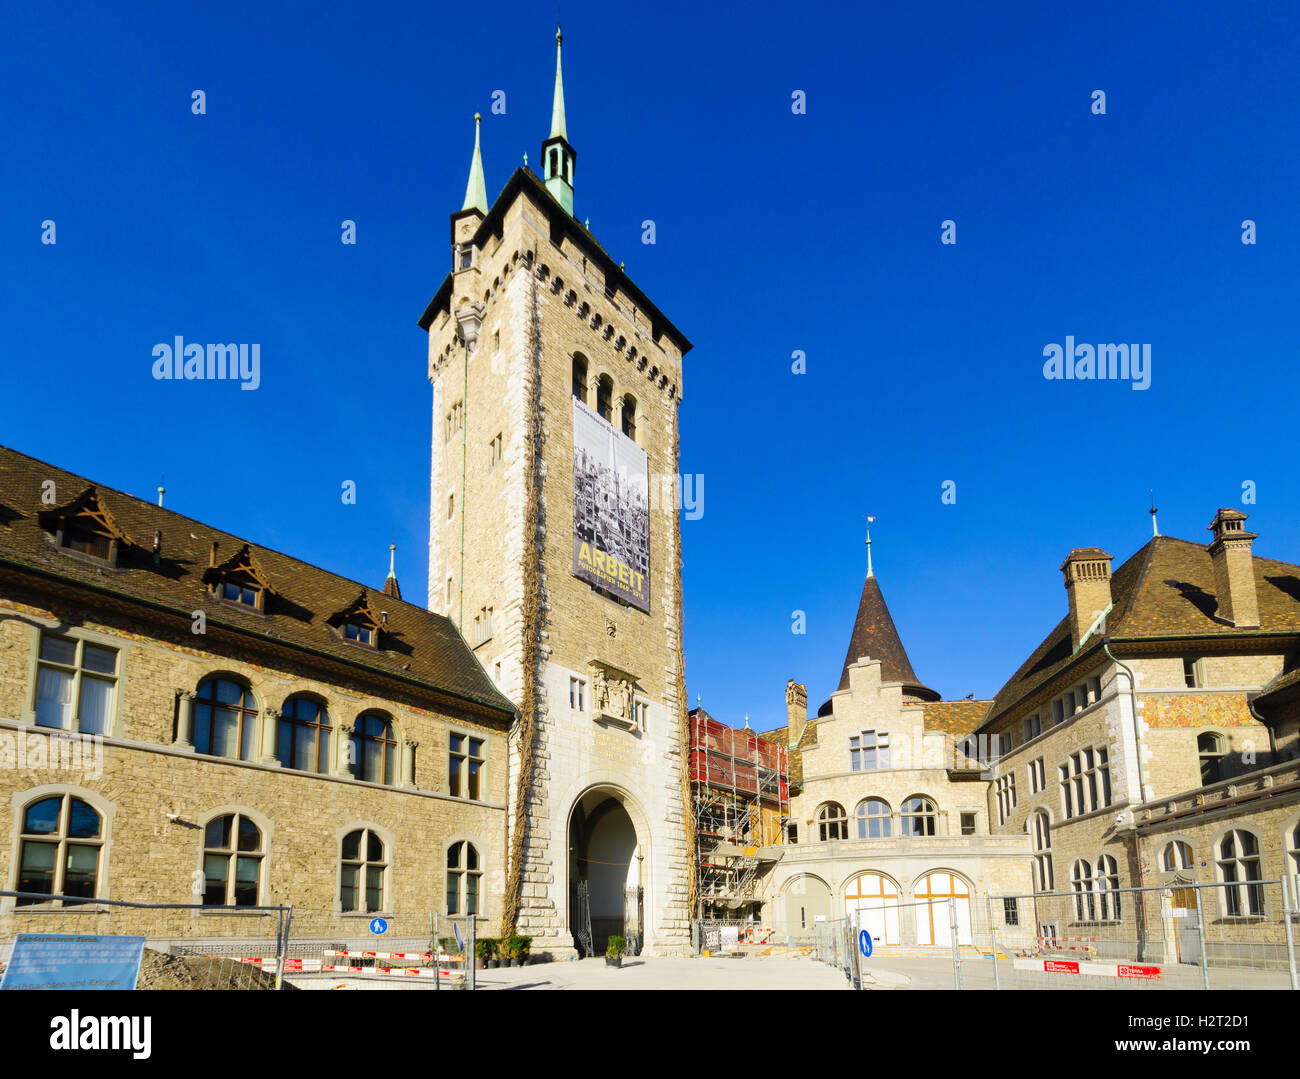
<point x="554" y="544"/>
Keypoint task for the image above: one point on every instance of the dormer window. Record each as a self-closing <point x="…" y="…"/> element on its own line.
<point x="84" y="526"/>
<point x="238" y="580"/>
<point x="240" y="593"/>
<point x="465" y="257"/>
<point x="359" y="622"/>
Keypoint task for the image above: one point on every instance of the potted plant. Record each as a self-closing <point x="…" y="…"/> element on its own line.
<point x="614" y="950"/>
<point x="523" y="947"/>
<point x="506" y="946"/>
<point x="485" y="951"/>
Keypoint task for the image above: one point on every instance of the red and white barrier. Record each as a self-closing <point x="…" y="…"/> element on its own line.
<point x="1105" y="970"/>
<point x="410" y="972"/>
<point x="421" y="957"/>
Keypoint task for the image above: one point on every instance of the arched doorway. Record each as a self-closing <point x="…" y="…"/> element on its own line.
<point x="807" y="901"/>
<point x="606" y="891"/>
<point x="936" y="893"/>
<point x="876" y="899"/>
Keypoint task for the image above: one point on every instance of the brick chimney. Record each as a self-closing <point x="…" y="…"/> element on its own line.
<point x="1087" y="583"/>
<point x="796" y="710"/>
<point x="1234" y="570"/>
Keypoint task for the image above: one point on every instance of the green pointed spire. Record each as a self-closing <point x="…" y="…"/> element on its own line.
<point x="557" y="109"/>
<point x="475" y="189"/>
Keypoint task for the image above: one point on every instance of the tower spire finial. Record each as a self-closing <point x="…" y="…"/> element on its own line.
<point x="557" y="106"/>
<point x="869" y="571"/>
<point x="391" y="587"/>
<point x="475" y="189"/>
<point x="1155" y="531"/>
<point x="558" y="157"/>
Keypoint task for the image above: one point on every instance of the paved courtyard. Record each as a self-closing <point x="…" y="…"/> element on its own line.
<point x="638" y="973"/>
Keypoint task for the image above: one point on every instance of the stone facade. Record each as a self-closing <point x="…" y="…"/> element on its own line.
<point x="818" y="875"/>
<point x="156" y="794"/>
<point x="534" y="292"/>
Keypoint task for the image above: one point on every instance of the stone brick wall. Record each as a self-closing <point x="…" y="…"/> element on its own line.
<point x="531" y="329"/>
<point x="157" y="795"/>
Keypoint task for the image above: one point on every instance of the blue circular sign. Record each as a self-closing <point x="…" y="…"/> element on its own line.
<point x="378" y="926"/>
<point x="864" y="943"/>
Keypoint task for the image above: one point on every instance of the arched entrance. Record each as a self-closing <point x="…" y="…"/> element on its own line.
<point x="807" y="901"/>
<point x="875" y="898"/>
<point x="936" y="894"/>
<point x="606" y="890"/>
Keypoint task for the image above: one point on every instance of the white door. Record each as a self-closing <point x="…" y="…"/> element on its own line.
<point x="935" y="895"/>
<point x="875" y="901"/>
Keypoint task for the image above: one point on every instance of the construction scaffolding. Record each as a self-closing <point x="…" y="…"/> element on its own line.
<point x="741" y="788"/>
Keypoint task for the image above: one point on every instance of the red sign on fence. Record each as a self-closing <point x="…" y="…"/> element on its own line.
<point x="1139" y="972"/>
<point x="1056" y="966"/>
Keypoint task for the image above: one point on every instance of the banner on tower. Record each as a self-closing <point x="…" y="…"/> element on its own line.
<point x="611" y="509"/>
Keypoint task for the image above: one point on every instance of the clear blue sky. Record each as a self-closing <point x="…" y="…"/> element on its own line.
<point x="775" y="232"/>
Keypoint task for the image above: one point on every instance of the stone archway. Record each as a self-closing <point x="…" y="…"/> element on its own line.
<point x="606" y="860"/>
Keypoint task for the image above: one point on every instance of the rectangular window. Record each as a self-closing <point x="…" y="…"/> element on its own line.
<point x="455" y="420"/>
<point x="1094" y="689"/>
<point x="1010" y="912"/>
<point x="1085" y="781"/>
<point x="1058" y="711"/>
<point x="578" y="694"/>
<point x="869" y="751"/>
<point x="793" y="834"/>
<point x="1193" y="672"/>
<point x="449" y="583"/>
<point x="1037" y="776"/>
<point x="968" y="824"/>
<point x="494" y="451"/>
<point x="1033" y="727"/>
<point x="483" y="626"/>
<point x="465" y="767"/>
<point x="1006" y="791"/>
<point x="76" y="683"/>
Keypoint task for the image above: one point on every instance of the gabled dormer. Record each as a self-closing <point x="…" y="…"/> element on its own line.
<point x="86" y="527"/>
<point x="358" y="622"/>
<point x="239" y="580"/>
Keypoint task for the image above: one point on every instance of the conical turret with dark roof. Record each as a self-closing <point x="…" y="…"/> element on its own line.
<point x="875" y="637"/>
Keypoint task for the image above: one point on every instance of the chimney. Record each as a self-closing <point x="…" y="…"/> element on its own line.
<point x="212" y="555"/>
<point x="796" y="710"/>
<point x="1234" y="570"/>
<point x="1087" y="583"/>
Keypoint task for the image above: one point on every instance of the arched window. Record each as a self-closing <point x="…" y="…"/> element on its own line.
<point x="1176" y="855"/>
<point x="1210" y="748"/>
<point x="1107" y="882"/>
<point x="374" y="749"/>
<point x="1239" y="865"/>
<point x="1040" y="832"/>
<point x="1085" y="910"/>
<point x="232" y="861"/>
<point x="303" y="740"/>
<point x="225" y="720"/>
<point x="362" y="872"/>
<point x="59" y="848"/>
<point x="832" y="822"/>
<point x="629" y="417"/>
<point x="919" y="816"/>
<point x="605" y="397"/>
<point x="463" y="875"/>
<point x="873" y="819"/>
<point x="580" y="378"/>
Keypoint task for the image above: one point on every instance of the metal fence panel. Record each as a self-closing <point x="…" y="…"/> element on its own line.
<point x="187" y="946"/>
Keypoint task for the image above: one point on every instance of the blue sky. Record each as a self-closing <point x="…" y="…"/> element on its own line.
<point x="775" y="232"/>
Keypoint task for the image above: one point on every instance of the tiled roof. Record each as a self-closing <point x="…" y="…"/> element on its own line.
<point x="1165" y="590"/>
<point x="419" y="648"/>
<point x="957" y="718"/>
<point x="875" y="637"/>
